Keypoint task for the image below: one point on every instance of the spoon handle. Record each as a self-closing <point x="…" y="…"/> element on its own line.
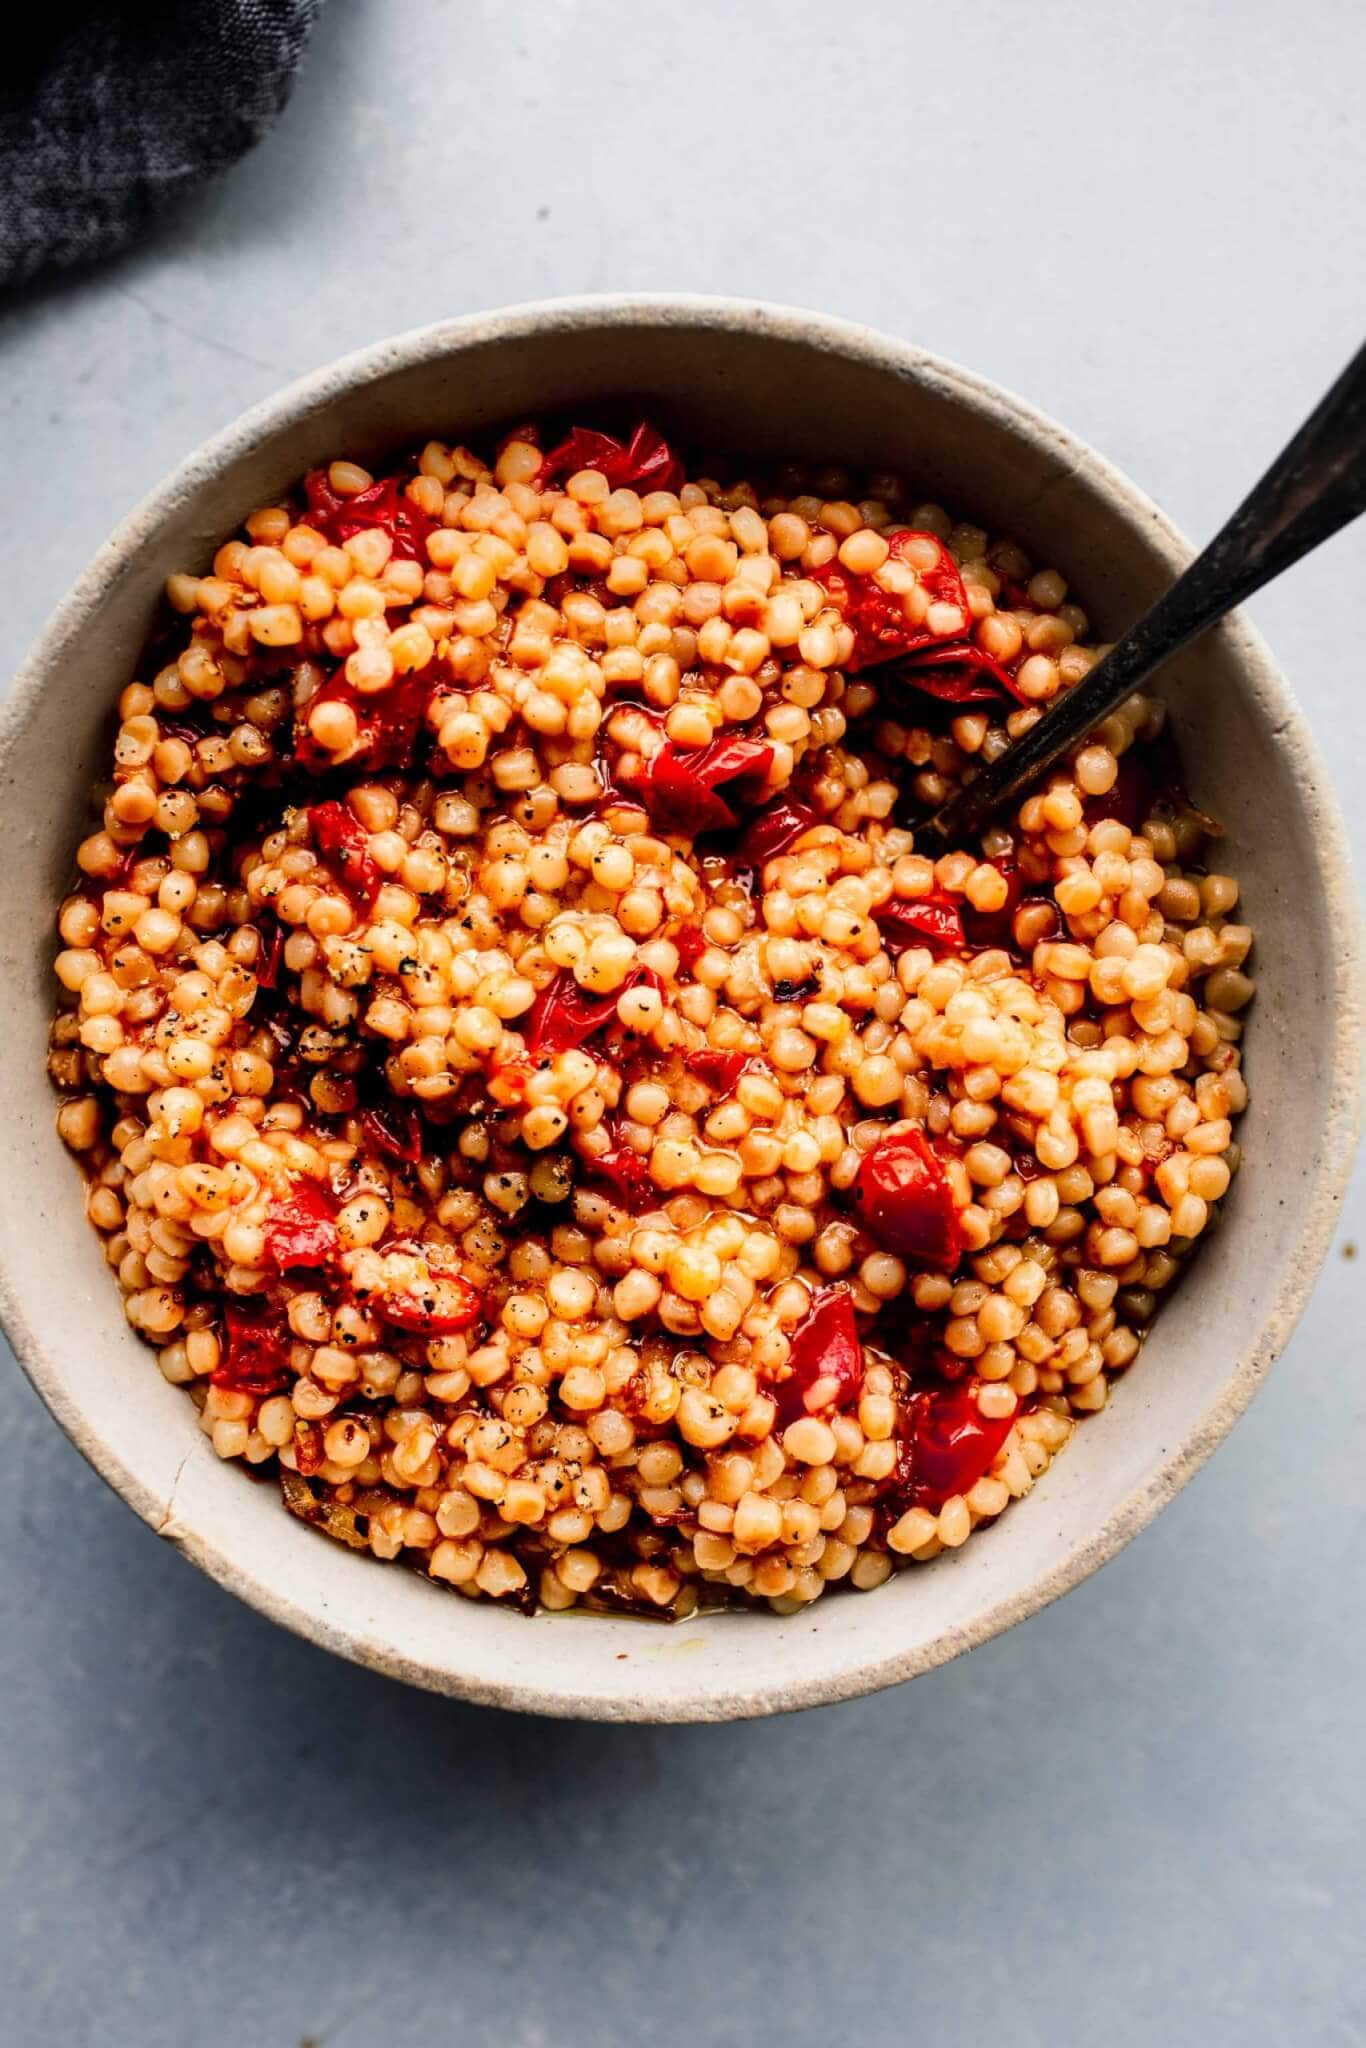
<point x="1316" y="485"/>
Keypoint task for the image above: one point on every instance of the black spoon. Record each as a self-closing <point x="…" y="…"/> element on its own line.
<point x="1316" y="485"/>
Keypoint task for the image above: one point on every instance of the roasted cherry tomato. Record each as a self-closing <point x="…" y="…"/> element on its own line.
<point x="904" y="1200"/>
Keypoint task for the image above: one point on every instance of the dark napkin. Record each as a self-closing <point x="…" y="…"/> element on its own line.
<point x="116" y="107"/>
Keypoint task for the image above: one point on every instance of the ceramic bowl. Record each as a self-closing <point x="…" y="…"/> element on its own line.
<point x="774" y="382"/>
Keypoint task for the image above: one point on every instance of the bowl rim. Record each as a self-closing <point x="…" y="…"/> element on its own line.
<point x="872" y="1668"/>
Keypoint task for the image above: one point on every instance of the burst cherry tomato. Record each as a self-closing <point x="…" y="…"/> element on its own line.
<point x="904" y="1200"/>
<point x="682" y="788"/>
<point x="958" y="672"/>
<point x="300" y="1230"/>
<point x="934" y="921"/>
<point x="825" y="1353"/>
<point x="389" y="724"/>
<point x="644" y="463"/>
<point x="720" y="1070"/>
<point x="384" y="505"/>
<point x="627" y="1173"/>
<point x="437" y="1300"/>
<point x="882" y="631"/>
<point x="394" y="1130"/>
<point x="341" y="839"/>
<point x="772" y="830"/>
<point x="256" y="1351"/>
<point x="564" y="1014"/>
<point x="952" y="1444"/>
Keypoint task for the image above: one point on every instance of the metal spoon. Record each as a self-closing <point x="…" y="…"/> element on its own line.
<point x="1316" y="485"/>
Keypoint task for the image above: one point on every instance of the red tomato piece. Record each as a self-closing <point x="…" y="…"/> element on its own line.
<point x="394" y="1131"/>
<point x="438" y="1301"/>
<point x="256" y="1352"/>
<point x="720" y="1070"/>
<point x="564" y="1014"/>
<point x="300" y="1230"/>
<point x="627" y="1173"/>
<point x="581" y="448"/>
<point x="882" y="631"/>
<point x="772" y="830"/>
<point x="389" y="724"/>
<point x="341" y="838"/>
<point x="395" y="720"/>
<point x="384" y="505"/>
<point x="958" y="672"/>
<point x="682" y="786"/>
<point x="952" y="1444"/>
<point x="904" y="1200"/>
<point x="825" y="1346"/>
<point x="927" y="921"/>
<point x="644" y="463"/>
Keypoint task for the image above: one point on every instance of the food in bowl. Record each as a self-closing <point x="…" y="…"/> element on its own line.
<point x="534" y="1094"/>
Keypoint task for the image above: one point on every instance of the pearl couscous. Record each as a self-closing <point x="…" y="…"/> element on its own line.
<point x="533" y="1093"/>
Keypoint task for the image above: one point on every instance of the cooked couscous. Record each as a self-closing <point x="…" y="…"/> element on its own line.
<point x="533" y="1093"/>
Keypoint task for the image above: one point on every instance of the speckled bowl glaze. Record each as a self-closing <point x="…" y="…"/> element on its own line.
<point x="774" y="382"/>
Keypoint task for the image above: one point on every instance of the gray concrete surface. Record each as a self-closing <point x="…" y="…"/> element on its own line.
<point x="1139" y="1819"/>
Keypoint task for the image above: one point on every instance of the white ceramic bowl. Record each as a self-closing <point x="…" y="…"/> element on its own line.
<point x="770" y="381"/>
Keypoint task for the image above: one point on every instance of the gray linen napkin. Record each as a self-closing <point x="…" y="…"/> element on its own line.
<point x="116" y="106"/>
